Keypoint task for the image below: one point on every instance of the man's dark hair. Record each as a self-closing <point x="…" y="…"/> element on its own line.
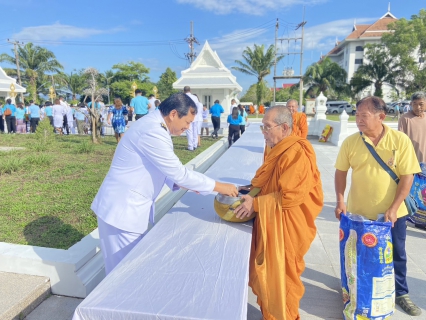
<point x="48" y="103"/>
<point x="186" y="89"/>
<point x="143" y="92"/>
<point x="377" y="104"/>
<point x="216" y="101"/>
<point x="151" y="95"/>
<point x="179" y="102"/>
<point x="234" y="113"/>
<point x="31" y="101"/>
<point x="138" y="91"/>
<point x="9" y="101"/>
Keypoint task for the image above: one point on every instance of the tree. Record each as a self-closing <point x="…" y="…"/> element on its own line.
<point x="131" y="71"/>
<point x="379" y="68"/>
<point x="251" y="94"/>
<point x="258" y="63"/>
<point x="286" y="94"/>
<point x="35" y="62"/>
<point x="75" y="81"/>
<point x="105" y="79"/>
<point x="324" y="76"/>
<point x="165" y="84"/>
<point x="407" y="45"/>
<point x="123" y="89"/>
<point x="94" y="92"/>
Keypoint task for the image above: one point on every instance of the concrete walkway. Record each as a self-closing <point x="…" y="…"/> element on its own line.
<point x="322" y="299"/>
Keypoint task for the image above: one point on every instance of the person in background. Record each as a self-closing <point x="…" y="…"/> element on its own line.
<point x="58" y="113"/>
<point x="372" y="189"/>
<point x="1" y="119"/>
<point x="192" y="131"/>
<point x="48" y="111"/>
<point x="234" y="121"/>
<point x="413" y="124"/>
<point x="243" y="114"/>
<point x="27" y="118"/>
<point x="300" y="124"/>
<point x="140" y="104"/>
<point x="116" y="115"/>
<point x="287" y="205"/>
<point x="80" y="119"/>
<point x="215" y="111"/>
<point x="143" y="163"/>
<point x="151" y="103"/>
<point x="70" y="120"/>
<point x="205" y="120"/>
<point x="20" y="115"/>
<point x="35" y="115"/>
<point x="129" y="114"/>
<point x="98" y="104"/>
<point x="9" y="116"/>
<point x="198" y="122"/>
<point x="233" y="105"/>
<point x="157" y="104"/>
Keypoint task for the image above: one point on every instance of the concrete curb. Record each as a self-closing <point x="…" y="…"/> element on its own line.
<point x="77" y="271"/>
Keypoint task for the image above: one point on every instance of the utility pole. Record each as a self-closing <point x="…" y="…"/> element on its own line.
<point x="289" y="75"/>
<point x="275" y="63"/>
<point x="16" y="43"/>
<point x="191" y="40"/>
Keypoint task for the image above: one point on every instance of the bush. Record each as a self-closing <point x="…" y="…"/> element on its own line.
<point x="44" y="132"/>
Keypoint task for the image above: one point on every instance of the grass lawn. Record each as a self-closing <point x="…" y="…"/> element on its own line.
<point x="335" y="117"/>
<point x="46" y="195"/>
<point x="250" y="116"/>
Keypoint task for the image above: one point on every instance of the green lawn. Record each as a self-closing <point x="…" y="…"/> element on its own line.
<point x="46" y="195"/>
<point x="335" y="117"/>
<point x="254" y="116"/>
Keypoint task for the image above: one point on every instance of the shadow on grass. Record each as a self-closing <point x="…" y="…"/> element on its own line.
<point x="51" y="232"/>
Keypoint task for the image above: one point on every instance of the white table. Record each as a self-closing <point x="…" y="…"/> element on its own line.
<point x="192" y="264"/>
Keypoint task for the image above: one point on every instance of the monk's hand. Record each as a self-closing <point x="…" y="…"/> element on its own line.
<point x="391" y="215"/>
<point x="245" y="209"/>
<point x="340" y="208"/>
<point x="226" y="189"/>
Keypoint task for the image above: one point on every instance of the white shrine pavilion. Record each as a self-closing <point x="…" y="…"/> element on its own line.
<point x="8" y="86"/>
<point x="210" y="80"/>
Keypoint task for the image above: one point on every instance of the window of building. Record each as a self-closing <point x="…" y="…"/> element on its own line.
<point x="358" y="61"/>
<point x="359" y="48"/>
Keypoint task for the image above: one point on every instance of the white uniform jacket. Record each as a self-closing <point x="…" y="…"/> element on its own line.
<point x="143" y="162"/>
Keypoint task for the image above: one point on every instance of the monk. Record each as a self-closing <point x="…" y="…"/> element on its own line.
<point x="290" y="199"/>
<point x="261" y="109"/>
<point x="251" y="109"/>
<point x="300" y="125"/>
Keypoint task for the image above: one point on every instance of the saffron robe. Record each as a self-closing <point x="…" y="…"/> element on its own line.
<point x="291" y="198"/>
<point x="300" y="125"/>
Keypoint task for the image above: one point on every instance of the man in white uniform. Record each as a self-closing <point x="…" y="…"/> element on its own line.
<point x="233" y="105"/>
<point x="68" y="124"/>
<point x="198" y="123"/>
<point x="151" y="103"/>
<point x="192" y="132"/>
<point x="143" y="162"/>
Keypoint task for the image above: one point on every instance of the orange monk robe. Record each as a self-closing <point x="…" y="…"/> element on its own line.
<point x="300" y="125"/>
<point x="261" y="109"/>
<point x="291" y="198"/>
<point x="251" y="109"/>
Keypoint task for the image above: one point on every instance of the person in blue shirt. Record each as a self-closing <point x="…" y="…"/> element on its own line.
<point x="215" y="111"/>
<point x="48" y="112"/>
<point x="139" y="104"/>
<point x="234" y="120"/>
<point x="35" y="115"/>
<point x="19" y="115"/>
<point x="97" y="104"/>
<point x="9" y="110"/>
<point x="80" y="118"/>
<point x="243" y="114"/>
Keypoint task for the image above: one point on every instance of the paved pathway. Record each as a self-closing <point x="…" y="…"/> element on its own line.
<point x="322" y="299"/>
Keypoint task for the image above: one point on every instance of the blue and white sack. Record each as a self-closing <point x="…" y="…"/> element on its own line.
<point x="366" y="264"/>
<point x="418" y="194"/>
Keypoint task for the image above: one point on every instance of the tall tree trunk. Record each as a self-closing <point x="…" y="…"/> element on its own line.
<point x="95" y="137"/>
<point x="259" y="93"/>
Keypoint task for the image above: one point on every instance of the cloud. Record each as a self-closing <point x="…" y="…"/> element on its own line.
<point x="58" y="31"/>
<point x="252" y="7"/>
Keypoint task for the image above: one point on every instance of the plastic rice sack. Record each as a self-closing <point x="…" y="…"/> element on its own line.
<point x="326" y="133"/>
<point x="366" y="263"/>
<point x="418" y="193"/>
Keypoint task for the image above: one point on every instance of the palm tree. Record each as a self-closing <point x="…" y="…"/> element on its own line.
<point x="105" y="79"/>
<point x="258" y="63"/>
<point x="75" y="81"/>
<point x="34" y="61"/>
<point x="324" y="76"/>
<point x="380" y="68"/>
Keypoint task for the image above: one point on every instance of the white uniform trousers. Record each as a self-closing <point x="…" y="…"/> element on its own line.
<point x="192" y="135"/>
<point x="115" y="244"/>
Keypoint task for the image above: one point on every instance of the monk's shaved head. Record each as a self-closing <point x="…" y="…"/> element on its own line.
<point x="280" y="114"/>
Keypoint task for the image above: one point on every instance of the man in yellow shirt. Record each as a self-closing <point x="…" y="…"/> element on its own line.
<point x="372" y="189"/>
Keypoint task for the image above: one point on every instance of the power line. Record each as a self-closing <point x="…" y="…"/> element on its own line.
<point x="191" y="40"/>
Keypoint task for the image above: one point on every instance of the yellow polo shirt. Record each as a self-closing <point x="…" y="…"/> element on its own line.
<point x="372" y="189"/>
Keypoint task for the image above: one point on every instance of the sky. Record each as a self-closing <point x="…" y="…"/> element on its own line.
<point x="100" y="34"/>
